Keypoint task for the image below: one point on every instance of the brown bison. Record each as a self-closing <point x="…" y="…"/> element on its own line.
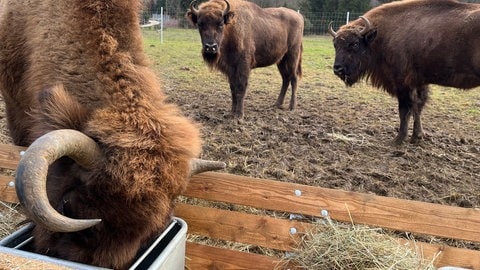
<point x="107" y="154"/>
<point x="238" y="36"/>
<point x="404" y="46"/>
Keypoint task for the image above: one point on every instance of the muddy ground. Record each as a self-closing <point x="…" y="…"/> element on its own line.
<point x="343" y="144"/>
<point x="338" y="137"/>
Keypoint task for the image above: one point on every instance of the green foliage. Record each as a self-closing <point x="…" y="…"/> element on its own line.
<point x="179" y="63"/>
<point x="339" y="5"/>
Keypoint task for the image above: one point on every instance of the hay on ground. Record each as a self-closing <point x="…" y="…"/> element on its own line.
<point x="10" y="218"/>
<point x="337" y="246"/>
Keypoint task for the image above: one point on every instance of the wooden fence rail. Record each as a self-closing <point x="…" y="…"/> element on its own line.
<point x="231" y="222"/>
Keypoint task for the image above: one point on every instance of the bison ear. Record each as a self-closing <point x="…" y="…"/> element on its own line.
<point x="192" y="17"/>
<point x="228" y="18"/>
<point x="370" y="36"/>
<point x="58" y="110"/>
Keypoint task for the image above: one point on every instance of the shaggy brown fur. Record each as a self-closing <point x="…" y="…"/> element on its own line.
<point x="412" y="44"/>
<point x="80" y="65"/>
<point x="248" y="37"/>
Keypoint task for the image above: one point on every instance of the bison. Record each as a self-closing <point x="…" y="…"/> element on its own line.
<point x="238" y="36"/>
<point x="404" y="46"/>
<point x="108" y="155"/>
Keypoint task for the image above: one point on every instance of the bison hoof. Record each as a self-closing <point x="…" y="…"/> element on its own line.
<point x="416" y="139"/>
<point x="239" y="121"/>
<point x="398" y="140"/>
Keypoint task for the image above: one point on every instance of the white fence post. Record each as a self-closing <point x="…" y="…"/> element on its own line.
<point x="161" y="25"/>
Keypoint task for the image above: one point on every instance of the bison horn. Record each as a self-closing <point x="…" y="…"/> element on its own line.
<point x="30" y="180"/>
<point x="227" y="9"/>
<point x="192" y="8"/>
<point x="199" y="165"/>
<point x="367" y="27"/>
<point x="330" y="30"/>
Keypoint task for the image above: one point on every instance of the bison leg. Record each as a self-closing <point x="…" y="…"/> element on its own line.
<point x="234" y="100"/>
<point x="238" y="96"/>
<point x="283" y="92"/>
<point x="419" y="98"/>
<point x="293" y="98"/>
<point x="238" y="88"/>
<point x="404" y="105"/>
<point x="288" y="69"/>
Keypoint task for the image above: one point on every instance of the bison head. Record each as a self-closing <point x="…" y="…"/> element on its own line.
<point x="351" y="44"/>
<point x="210" y="19"/>
<point x="31" y="178"/>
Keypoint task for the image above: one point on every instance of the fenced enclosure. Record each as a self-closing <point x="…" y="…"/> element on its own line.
<point x="316" y="23"/>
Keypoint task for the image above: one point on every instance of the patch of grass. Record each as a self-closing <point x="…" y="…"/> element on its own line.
<point x="178" y="61"/>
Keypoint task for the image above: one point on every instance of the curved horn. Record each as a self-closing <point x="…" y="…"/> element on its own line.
<point x="200" y="165"/>
<point x="367" y="27"/>
<point x="330" y="30"/>
<point x="192" y="8"/>
<point x="31" y="176"/>
<point x="227" y="9"/>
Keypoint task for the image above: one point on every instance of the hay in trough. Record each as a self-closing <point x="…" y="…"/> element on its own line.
<point x="338" y="246"/>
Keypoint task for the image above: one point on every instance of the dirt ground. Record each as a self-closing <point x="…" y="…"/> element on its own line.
<point x="344" y="143"/>
<point x="340" y="142"/>
<point x="338" y="137"/>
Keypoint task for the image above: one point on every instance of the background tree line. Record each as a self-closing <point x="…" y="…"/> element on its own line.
<point x="180" y="6"/>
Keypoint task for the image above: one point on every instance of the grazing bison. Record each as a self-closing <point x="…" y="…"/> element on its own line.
<point x="105" y="147"/>
<point x="404" y="46"/>
<point x="238" y="36"/>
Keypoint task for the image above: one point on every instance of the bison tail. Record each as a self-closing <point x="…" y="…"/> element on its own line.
<point x="299" y="65"/>
<point x="299" y="68"/>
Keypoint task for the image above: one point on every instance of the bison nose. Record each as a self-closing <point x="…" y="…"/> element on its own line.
<point x="211" y="47"/>
<point x="338" y="70"/>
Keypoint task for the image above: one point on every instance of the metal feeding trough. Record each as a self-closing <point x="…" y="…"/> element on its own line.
<point x="167" y="252"/>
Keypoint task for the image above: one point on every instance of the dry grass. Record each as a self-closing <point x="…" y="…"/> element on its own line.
<point x="11" y="262"/>
<point x="10" y="217"/>
<point x="338" y="246"/>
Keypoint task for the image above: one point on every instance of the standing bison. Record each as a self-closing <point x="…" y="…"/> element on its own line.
<point x="238" y="36"/>
<point x="404" y="46"/>
<point x="107" y="154"/>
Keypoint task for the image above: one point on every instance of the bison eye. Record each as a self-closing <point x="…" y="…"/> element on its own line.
<point x="354" y="46"/>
